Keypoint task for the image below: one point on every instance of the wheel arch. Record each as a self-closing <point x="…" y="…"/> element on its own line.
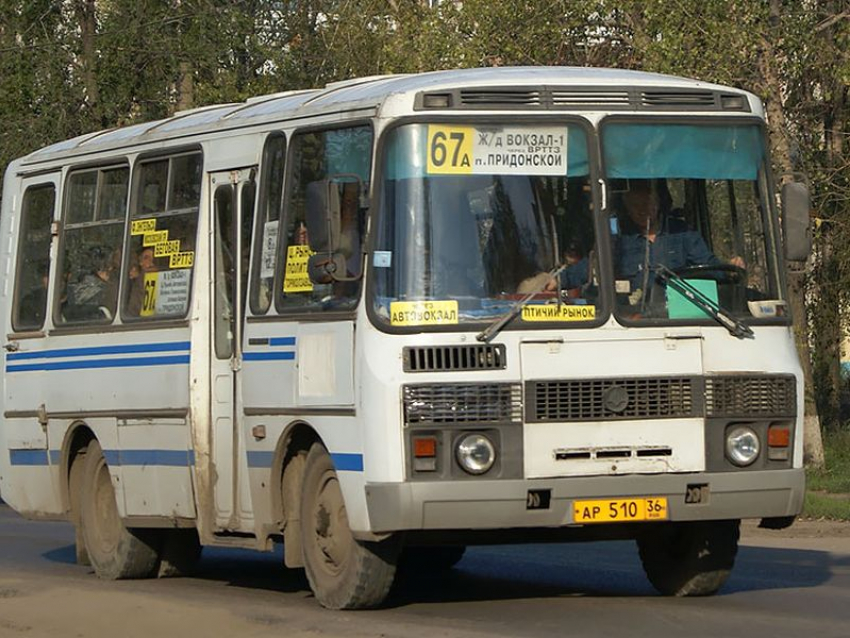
<point x="77" y="438"/>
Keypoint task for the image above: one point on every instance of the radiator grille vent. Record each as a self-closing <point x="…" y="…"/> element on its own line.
<point x="736" y="396"/>
<point x="601" y="98"/>
<point x="604" y="97"/>
<point x="452" y="358"/>
<point x="608" y="399"/>
<point x="697" y="100"/>
<point x="462" y="403"/>
<point x="499" y="98"/>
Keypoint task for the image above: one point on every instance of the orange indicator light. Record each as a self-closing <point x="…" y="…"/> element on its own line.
<point x="778" y="436"/>
<point x="425" y="447"/>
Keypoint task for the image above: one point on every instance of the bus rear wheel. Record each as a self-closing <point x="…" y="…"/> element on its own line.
<point x="344" y="573"/>
<point x="689" y="559"/>
<point x="115" y="552"/>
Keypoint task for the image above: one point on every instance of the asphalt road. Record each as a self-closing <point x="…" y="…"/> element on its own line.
<point x="782" y="586"/>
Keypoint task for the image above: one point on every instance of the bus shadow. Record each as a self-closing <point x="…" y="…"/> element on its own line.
<point x="485" y="574"/>
<point x="595" y="570"/>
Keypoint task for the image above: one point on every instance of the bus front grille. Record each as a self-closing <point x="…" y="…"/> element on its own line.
<point x="610" y="399"/>
<point x="751" y="395"/>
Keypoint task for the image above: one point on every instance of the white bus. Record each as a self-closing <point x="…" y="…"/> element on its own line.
<point x="396" y="316"/>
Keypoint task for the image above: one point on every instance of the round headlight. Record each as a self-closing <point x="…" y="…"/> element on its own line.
<point x="742" y="445"/>
<point x="475" y="453"/>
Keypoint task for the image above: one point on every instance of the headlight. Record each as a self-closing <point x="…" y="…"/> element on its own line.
<point x="475" y="453"/>
<point x="742" y="445"/>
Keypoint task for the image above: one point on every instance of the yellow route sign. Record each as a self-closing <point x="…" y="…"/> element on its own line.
<point x="555" y="312"/>
<point x="423" y="313"/>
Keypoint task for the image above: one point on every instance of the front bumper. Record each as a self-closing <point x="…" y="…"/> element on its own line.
<point x="483" y="505"/>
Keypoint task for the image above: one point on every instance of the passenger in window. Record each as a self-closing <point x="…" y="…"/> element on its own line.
<point x="93" y="295"/>
<point x="34" y="303"/>
<point x="651" y="236"/>
<point x="144" y="262"/>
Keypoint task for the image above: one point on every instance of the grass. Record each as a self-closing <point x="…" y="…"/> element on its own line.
<point x="828" y="490"/>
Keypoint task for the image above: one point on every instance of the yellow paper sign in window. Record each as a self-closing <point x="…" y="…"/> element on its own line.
<point x="555" y="312"/>
<point x="142" y="226"/>
<point x="181" y="260"/>
<point x="154" y="238"/>
<point x="295" y="277"/>
<point x="423" y="313"/>
<point x="450" y="149"/>
<point x="167" y="248"/>
<point x="149" y="300"/>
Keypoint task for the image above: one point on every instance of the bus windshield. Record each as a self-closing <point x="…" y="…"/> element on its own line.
<point x="474" y="218"/>
<point x="690" y="202"/>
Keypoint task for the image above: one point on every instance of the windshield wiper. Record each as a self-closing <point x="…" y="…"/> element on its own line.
<point x="494" y="328"/>
<point x="709" y="306"/>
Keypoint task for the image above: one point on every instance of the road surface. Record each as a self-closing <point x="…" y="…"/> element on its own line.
<point x="785" y="584"/>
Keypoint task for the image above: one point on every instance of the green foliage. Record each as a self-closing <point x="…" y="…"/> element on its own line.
<point x="835" y="477"/>
<point x="72" y="66"/>
<point x="819" y="506"/>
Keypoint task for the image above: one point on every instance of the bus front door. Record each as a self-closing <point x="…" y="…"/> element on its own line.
<point x="233" y="194"/>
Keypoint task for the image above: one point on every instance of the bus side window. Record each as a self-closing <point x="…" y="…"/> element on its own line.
<point x="336" y="164"/>
<point x="163" y="228"/>
<point x="32" y="271"/>
<point x="268" y="220"/>
<point x="93" y="233"/>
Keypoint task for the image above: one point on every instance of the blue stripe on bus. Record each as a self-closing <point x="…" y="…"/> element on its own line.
<point x="342" y="462"/>
<point x="260" y="459"/>
<point x="348" y="462"/>
<point x="282" y="341"/>
<point x="88" y="364"/>
<point x="161" y="458"/>
<point x="268" y="356"/>
<point x="100" y="350"/>
<point x="28" y="457"/>
<point x="55" y="457"/>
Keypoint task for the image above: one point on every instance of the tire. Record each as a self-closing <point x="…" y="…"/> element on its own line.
<point x="689" y="559"/>
<point x="181" y="551"/>
<point x="432" y="561"/>
<point x="343" y="572"/>
<point x="115" y="552"/>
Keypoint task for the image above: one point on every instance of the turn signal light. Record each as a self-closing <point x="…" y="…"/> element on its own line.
<point x="778" y="436"/>
<point x="424" y="447"/>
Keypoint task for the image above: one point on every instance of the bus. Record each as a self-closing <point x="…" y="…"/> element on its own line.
<point x="384" y="320"/>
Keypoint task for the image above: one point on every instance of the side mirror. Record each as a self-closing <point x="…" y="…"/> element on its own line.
<point x="796" y="221"/>
<point x="325" y="268"/>
<point x="334" y="227"/>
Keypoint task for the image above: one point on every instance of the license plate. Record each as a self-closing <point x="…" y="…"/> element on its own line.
<point x="621" y="510"/>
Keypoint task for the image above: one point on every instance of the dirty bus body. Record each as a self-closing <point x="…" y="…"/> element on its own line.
<point x="392" y="317"/>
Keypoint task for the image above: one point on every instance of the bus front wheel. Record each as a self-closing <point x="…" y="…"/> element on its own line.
<point x="689" y="559"/>
<point x="115" y="552"/>
<point x="343" y="572"/>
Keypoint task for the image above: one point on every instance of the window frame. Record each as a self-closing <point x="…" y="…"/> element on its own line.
<point x="310" y="313"/>
<point x="52" y="184"/>
<point x="605" y="301"/>
<point x="770" y="212"/>
<point x="100" y="168"/>
<point x="133" y="202"/>
<point x="263" y="200"/>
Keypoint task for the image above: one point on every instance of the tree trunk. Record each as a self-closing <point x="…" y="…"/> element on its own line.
<point x="185" y="87"/>
<point x="781" y="152"/>
<point x="87" y="19"/>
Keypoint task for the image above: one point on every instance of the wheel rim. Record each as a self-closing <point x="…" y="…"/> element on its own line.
<point x="331" y="537"/>
<point x="107" y="522"/>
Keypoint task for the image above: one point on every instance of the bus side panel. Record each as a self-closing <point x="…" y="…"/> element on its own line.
<point x="115" y="384"/>
<point x="156" y="461"/>
<point x="290" y="367"/>
<point x="27" y="470"/>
